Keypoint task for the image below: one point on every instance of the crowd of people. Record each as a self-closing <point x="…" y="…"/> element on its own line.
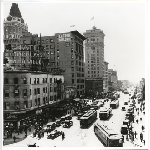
<point x="133" y="134"/>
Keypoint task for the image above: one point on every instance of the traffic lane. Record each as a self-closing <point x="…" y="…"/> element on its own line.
<point x="118" y="116"/>
<point x="74" y="137"/>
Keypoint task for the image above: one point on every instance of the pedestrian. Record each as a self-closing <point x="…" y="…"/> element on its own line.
<point x="144" y="142"/>
<point x="63" y="136"/>
<point x="14" y="139"/>
<point x="137" y="121"/>
<point x="135" y="134"/>
<point x="138" y="113"/>
<point x="141" y="137"/>
<point x="142" y="127"/>
<point x="140" y="119"/>
<point x="122" y="138"/>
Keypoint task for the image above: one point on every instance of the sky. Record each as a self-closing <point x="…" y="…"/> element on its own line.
<point x="122" y="23"/>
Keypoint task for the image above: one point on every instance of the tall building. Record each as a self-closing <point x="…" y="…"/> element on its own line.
<point x="14" y="27"/>
<point x="113" y="78"/>
<point x="105" y="78"/>
<point x="94" y="58"/>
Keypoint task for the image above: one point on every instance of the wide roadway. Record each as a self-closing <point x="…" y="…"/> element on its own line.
<point x="77" y="137"/>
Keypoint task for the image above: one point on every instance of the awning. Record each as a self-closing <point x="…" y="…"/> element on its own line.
<point x="20" y="112"/>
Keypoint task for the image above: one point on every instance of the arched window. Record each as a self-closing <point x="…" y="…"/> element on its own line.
<point x="25" y="80"/>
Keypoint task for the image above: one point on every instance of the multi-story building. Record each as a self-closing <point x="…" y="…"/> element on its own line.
<point x="27" y="92"/>
<point x="105" y="78"/>
<point x="94" y="58"/>
<point x="113" y="79"/>
<point x="62" y="52"/>
<point x="14" y="27"/>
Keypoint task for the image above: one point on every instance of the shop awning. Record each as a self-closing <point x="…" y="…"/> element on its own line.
<point x="20" y="112"/>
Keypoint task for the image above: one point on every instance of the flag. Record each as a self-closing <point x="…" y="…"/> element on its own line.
<point x="92" y="18"/>
<point x="72" y="26"/>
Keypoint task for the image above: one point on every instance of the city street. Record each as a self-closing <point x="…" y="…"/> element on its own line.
<point x="77" y="137"/>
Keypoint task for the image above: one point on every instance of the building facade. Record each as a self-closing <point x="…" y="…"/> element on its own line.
<point x="26" y="92"/>
<point x="94" y="55"/>
<point x="105" y="78"/>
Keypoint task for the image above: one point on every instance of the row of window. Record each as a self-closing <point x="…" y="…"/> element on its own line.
<point x="36" y="80"/>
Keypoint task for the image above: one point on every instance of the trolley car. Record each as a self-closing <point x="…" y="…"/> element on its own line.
<point x="114" y="104"/>
<point x="88" y="118"/>
<point x="105" y="113"/>
<point x="107" y="136"/>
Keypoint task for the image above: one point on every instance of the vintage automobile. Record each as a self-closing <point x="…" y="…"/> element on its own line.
<point x="123" y="108"/>
<point x="32" y="145"/>
<point x="67" y="124"/>
<point x="54" y="134"/>
<point x="124" y="129"/>
<point x="58" y="123"/>
<point x="126" y="122"/>
<point x="80" y="115"/>
<point x="62" y="119"/>
<point x="68" y="117"/>
<point x="125" y="103"/>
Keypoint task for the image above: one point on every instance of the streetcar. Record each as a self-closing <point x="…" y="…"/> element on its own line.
<point x="107" y="136"/>
<point x="114" y="104"/>
<point x="105" y="113"/>
<point x="87" y="119"/>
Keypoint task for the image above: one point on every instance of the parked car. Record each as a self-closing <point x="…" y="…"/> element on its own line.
<point x="125" y="103"/>
<point x="68" y="117"/>
<point x="80" y="115"/>
<point x="62" y="119"/>
<point x="67" y="124"/>
<point x="54" y="134"/>
<point x="124" y="129"/>
<point x="58" y="123"/>
<point x="123" y="108"/>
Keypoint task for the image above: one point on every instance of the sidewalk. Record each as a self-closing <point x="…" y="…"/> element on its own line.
<point x="19" y="137"/>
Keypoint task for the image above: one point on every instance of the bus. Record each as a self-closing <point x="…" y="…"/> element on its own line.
<point x="105" y="113"/>
<point x="88" y="118"/>
<point x="107" y="136"/>
<point x="114" y="104"/>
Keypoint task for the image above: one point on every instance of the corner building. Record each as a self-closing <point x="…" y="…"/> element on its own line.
<point x="94" y="61"/>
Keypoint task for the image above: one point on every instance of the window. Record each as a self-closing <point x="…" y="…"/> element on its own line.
<point x="24" y="80"/>
<point x="43" y="100"/>
<point x="35" y="102"/>
<point x="72" y="81"/>
<point x="46" y="100"/>
<point x="6" y="81"/>
<point x="17" y="92"/>
<point x="30" y="91"/>
<point x="37" y="80"/>
<point x="6" y="93"/>
<point x="43" y="90"/>
<point x="34" y="91"/>
<point x="72" y="74"/>
<point x="16" y="105"/>
<point x="25" y="92"/>
<point x="45" y="80"/>
<point x="38" y="101"/>
<point x="34" y="80"/>
<point x="51" y="40"/>
<point x="46" y="90"/>
<point x="25" y="104"/>
<point x="71" y="56"/>
<point x="30" y="80"/>
<point x="72" y="68"/>
<point x="15" y="80"/>
<point x="50" y="89"/>
<point x="72" y="62"/>
<point x="38" y="90"/>
<point x="50" y="80"/>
